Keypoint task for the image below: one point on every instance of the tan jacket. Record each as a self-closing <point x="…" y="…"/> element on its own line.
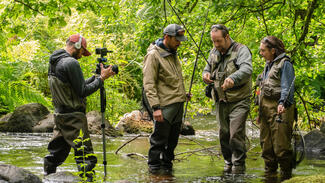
<point x="162" y="77"/>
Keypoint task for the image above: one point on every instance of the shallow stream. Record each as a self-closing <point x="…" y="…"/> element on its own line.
<point x="26" y="150"/>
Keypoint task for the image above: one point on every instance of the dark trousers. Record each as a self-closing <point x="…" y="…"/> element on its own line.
<point x="232" y="118"/>
<point x="164" y="139"/>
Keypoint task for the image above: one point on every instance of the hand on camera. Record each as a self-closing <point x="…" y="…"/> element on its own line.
<point x="106" y="73"/>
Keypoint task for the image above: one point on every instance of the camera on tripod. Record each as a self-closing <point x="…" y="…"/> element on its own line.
<point x="103" y="52"/>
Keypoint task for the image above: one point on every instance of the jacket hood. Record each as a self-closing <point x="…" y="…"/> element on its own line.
<point x="58" y="55"/>
<point x="162" y="51"/>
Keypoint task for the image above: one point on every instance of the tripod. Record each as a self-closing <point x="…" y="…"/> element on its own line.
<point x="102" y="110"/>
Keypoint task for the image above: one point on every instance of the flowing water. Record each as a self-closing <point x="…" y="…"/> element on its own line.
<point x="192" y="164"/>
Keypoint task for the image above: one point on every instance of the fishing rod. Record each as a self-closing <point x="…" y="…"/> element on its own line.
<point x="196" y="59"/>
<point x="199" y="50"/>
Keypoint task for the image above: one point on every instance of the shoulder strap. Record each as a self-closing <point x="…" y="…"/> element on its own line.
<point x="145" y="104"/>
<point x="236" y="46"/>
<point x="287" y="58"/>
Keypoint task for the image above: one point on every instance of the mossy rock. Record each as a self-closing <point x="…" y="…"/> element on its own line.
<point x="133" y="126"/>
<point x="307" y="179"/>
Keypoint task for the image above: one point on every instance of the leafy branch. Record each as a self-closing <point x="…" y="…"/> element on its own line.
<point x="312" y="7"/>
<point x="29" y="6"/>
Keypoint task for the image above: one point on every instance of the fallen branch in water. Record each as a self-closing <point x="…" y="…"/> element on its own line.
<point x="140" y="135"/>
<point x="198" y="150"/>
<point x="198" y="143"/>
<point x="136" y="154"/>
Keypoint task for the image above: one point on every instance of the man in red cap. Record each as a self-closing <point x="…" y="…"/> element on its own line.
<point x="69" y="91"/>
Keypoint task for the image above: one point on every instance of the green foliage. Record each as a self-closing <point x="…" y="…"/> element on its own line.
<point x="17" y="89"/>
<point x="32" y="29"/>
<point x="307" y="179"/>
<point x="80" y="144"/>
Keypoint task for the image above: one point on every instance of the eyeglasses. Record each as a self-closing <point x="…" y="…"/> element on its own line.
<point x="220" y="27"/>
<point x="266" y="40"/>
<point x="217" y="26"/>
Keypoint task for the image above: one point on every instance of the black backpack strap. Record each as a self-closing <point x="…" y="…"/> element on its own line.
<point x="145" y="104"/>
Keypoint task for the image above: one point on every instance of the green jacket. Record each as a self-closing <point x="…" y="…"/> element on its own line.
<point x="162" y="77"/>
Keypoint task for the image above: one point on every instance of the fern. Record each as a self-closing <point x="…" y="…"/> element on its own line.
<point x="17" y="93"/>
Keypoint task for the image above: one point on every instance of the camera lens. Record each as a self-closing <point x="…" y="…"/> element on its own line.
<point x="115" y="69"/>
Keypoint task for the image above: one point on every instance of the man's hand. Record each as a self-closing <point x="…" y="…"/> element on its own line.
<point x="281" y="109"/>
<point x="158" y="116"/>
<point x="106" y="73"/>
<point x="188" y="96"/>
<point x="258" y="120"/>
<point x="206" y="78"/>
<point x="228" y="83"/>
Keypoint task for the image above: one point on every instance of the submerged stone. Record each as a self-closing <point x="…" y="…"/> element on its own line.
<point x="314" y="144"/>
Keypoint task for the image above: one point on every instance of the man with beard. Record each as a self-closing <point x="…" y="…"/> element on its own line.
<point x="230" y="69"/>
<point x="69" y="91"/>
<point x="164" y="89"/>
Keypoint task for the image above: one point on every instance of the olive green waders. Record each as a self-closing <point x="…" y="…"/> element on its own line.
<point x="276" y="137"/>
<point x="67" y="129"/>
<point x="232" y="118"/>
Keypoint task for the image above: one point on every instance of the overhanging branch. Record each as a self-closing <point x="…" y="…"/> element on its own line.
<point x="28" y="6"/>
<point x="312" y="7"/>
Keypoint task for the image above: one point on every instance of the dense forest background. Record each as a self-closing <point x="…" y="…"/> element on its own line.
<point x="30" y="30"/>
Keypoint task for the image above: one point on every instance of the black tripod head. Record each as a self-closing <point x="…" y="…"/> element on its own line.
<point x="103" y="52"/>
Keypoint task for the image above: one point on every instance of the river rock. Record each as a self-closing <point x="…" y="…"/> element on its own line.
<point x="94" y="119"/>
<point x="137" y="122"/>
<point x="13" y="174"/>
<point x="62" y="177"/>
<point x="45" y="125"/>
<point x="315" y="144"/>
<point x="24" y="118"/>
<point x="5" y="118"/>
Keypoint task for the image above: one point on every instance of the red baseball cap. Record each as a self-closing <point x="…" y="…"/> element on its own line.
<point x="75" y="38"/>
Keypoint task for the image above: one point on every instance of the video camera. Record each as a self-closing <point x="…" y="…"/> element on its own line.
<point x="103" y="52"/>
